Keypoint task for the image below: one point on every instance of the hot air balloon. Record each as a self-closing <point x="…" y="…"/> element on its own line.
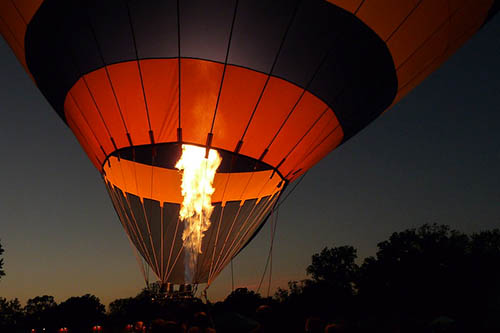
<point x="199" y="113"/>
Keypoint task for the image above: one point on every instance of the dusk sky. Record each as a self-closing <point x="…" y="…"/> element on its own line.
<point x="434" y="157"/>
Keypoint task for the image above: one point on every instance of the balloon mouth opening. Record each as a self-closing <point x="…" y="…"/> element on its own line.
<point x="166" y="155"/>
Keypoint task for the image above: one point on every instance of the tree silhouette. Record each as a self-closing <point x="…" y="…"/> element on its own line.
<point x="40" y="312"/>
<point x="417" y="277"/>
<point x="11" y="315"/>
<point x="482" y="281"/>
<point x="432" y="271"/>
<point x="2" y="273"/>
<point x="123" y="311"/>
<point x="330" y="293"/>
<point x="335" y="266"/>
<point x="143" y="307"/>
<point x="79" y="314"/>
<point x="243" y="301"/>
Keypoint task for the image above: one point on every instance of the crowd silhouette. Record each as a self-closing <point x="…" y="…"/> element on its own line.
<point x="429" y="279"/>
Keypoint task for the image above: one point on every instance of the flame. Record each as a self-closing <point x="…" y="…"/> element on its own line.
<point x="198" y="175"/>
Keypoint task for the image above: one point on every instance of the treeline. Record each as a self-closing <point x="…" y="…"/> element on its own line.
<point x="428" y="279"/>
<point x="421" y="280"/>
<point x="43" y="312"/>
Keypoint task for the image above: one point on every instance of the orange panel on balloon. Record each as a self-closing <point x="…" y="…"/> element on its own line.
<point x="468" y="16"/>
<point x="320" y="151"/>
<point x="127" y="84"/>
<point x="82" y="126"/>
<point x="384" y="16"/>
<point x="461" y="20"/>
<point x="19" y="13"/>
<point x="239" y="96"/>
<point x="10" y="38"/>
<point x="477" y="6"/>
<point x="28" y="8"/>
<point x="101" y="89"/>
<point x="423" y="56"/>
<point x="161" y="83"/>
<point x="13" y="28"/>
<point x="413" y="32"/>
<point x="278" y="100"/>
<point x="200" y="83"/>
<point x="231" y="188"/>
<point x="326" y="124"/>
<point x="85" y="144"/>
<point x="424" y="72"/>
<point x="460" y="34"/>
<point x="122" y="174"/>
<point x="85" y="105"/>
<point x="307" y="111"/>
<point x="13" y="20"/>
<point x="263" y="183"/>
<point x="244" y="186"/>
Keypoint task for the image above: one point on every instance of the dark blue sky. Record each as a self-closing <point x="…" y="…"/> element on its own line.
<point x="435" y="157"/>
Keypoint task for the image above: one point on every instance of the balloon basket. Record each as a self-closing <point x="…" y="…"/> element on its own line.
<point x="180" y="292"/>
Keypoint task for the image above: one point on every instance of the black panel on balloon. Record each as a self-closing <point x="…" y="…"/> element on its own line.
<point x="207" y="248"/>
<point x="129" y="215"/>
<point x="140" y="219"/>
<point x="118" y="204"/>
<point x="258" y="31"/>
<point x="110" y="22"/>
<point x="122" y="207"/>
<point x="54" y="68"/>
<point x="314" y="32"/>
<point x="205" y="28"/>
<point x="155" y="28"/>
<point x="228" y="215"/>
<point x="172" y="241"/>
<point x="152" y="211"/>
<point x="264" y="204"/>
